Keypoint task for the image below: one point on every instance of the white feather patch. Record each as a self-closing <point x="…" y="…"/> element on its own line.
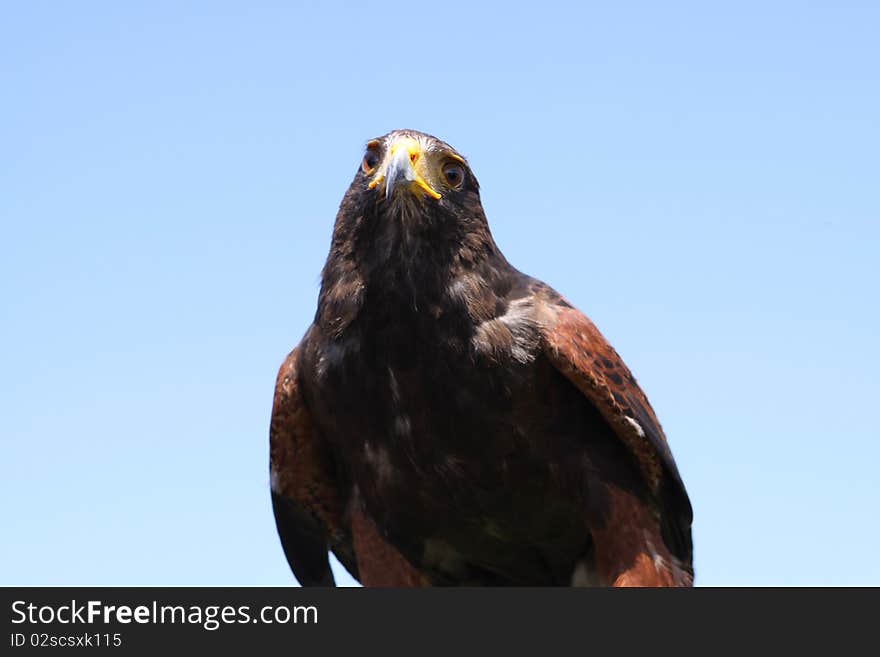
<point x="636" y="426"/>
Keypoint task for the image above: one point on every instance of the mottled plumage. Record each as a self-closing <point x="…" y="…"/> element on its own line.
<point x="449" y="420"/>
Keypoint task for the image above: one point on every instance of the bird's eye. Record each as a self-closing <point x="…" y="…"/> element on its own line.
<point x="371" y="161"/>
<point x="453" y="173"/>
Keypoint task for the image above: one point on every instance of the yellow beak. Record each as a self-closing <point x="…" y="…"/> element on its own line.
<point x="402" y="167"/>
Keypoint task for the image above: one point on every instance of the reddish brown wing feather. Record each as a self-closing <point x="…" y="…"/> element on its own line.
<point x="630" y="550"/>
<point x="379" y="562"/>
<point x="576" y="347"/>
<point x="310" y="511"/>
<point x="582" y="354"/>
<point x="308" y="507"/>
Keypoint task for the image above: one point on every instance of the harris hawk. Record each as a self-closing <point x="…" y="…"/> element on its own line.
<point x="449" y="420"/>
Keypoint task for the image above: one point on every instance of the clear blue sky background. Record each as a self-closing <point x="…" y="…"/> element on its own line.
<point x="700" y="178"/>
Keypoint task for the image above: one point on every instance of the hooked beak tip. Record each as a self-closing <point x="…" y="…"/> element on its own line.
<point x="399" y="168"/>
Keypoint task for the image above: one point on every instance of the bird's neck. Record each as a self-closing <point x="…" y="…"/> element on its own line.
<point x="409" y="278"/>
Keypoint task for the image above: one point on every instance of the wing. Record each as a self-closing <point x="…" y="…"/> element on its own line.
<point x="305" y="498"/>
<point x="582" y="354"/>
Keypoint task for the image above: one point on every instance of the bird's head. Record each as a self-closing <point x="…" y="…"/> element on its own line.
<point x="413" y="174"/>
<point x="405" y="161"/>
<point x="413" y="208"/>
<point x="410" y="221"/>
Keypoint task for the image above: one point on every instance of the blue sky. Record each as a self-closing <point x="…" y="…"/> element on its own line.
<point x="700" y="178"/>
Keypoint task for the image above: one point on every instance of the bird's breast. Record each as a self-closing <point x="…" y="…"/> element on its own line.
<point x="443" y="442"/>
<point x="434" y="421"/>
